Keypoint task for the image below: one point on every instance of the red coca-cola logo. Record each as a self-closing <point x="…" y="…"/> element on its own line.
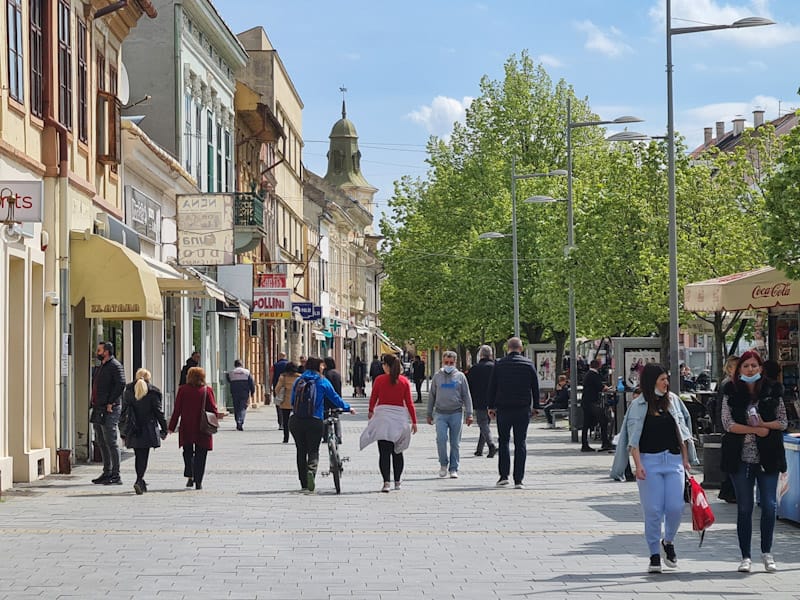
<point x="779" y="289"/>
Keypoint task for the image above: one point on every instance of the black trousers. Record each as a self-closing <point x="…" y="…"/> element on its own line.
<point x="594" y="415"/>
<point x="516" y="419"/>
<point x="194" y="462"/>
<point x="418" y="384"/>
<point x="307" y="434"/>
<point x="386" y="456"/>
<point x="142" y="456"/>
<point x="284" y="414"/>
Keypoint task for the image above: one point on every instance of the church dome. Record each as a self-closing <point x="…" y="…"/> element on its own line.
<point x="344" y="128"/>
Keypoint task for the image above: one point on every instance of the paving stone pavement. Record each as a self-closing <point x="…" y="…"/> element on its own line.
<point x="572" y="533"/>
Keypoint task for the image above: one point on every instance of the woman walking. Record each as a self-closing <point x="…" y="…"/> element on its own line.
<point x="655" y="433"/>
<point x="142" y="419"/>
<point x="390" y="409"/>
<point x="192" y="399"/>
<point x="753" y="416"/>
<point x="283" y="394"/>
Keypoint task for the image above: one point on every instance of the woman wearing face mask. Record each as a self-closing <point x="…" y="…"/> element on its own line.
<point x="753" y="416"/>
<point x="655" y="433"/>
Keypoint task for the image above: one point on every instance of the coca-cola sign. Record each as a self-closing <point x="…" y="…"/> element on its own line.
<point x="778" y="290"/>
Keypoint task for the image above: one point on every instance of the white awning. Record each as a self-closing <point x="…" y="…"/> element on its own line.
<point x="318" y="335"/>
<point x="387" y="345"/>
<point x="766" y="287"/>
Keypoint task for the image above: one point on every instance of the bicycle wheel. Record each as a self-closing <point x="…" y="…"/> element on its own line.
<point x="335" y="464"/>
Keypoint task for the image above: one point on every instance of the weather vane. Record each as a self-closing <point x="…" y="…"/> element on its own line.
<point x="344" y="91"/>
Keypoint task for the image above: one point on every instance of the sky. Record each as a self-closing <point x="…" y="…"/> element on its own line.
<point x="411" y="68"/>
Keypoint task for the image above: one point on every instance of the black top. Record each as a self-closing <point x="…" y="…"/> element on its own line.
<point x="478" y="379"/>
<point x="659" y="433"/>
<point x="592" y="388"/>
<point x="513" y="383"/>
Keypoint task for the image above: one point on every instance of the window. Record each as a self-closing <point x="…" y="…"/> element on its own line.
<point x="112" y="76"/>
<point x="16" y="78"/>
<point x="101" y="72"/>
<point x="210" y="151"/>
<point x="228" y="163"/>
<point x="220" y="174"/>
<point x="109" y="142"/>
<point x="187" y="129"/>
<point x="83" y="84"/>
<point x="198" y="141"/>
<point x="64" y="64"/>
<point x="36" y="56"/>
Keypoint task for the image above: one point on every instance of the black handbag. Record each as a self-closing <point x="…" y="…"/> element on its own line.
<point x="129" y="423"/>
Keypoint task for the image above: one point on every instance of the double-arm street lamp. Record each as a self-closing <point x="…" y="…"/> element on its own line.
<point x="494" y="235"/>
<point x="573" y="343"/>
<point x="674" y="324"/>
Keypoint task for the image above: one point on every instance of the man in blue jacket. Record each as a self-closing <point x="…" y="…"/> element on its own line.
<point x="513" y="399"/>
<point x="242" y="388"/>
<point x="307" y="431"/>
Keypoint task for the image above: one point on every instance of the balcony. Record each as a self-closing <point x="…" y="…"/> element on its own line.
<point x="248" y="221"/>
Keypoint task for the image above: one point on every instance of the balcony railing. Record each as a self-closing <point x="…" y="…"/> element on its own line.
<point x="248" y="210"/>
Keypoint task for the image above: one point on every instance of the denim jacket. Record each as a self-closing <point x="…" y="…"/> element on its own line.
<point x="631" y="431"/>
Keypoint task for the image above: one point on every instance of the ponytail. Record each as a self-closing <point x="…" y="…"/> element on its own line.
<point x="394" y="367"/>
<point x="140" y="387"/>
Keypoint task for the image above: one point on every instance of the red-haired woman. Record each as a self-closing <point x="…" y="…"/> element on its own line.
<point x="753" y="416"/>
<point x="192" y="399"/>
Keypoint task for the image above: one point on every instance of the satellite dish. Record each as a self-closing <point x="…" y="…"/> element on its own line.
<point x="124" y="89"/>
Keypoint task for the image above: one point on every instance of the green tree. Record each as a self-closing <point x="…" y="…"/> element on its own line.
<point x="782" y="222"/>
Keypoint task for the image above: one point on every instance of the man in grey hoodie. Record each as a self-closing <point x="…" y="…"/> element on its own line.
<point x="449" y="399"/>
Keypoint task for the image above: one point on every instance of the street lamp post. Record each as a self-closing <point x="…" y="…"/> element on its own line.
<point x="495" y="235"/>
<point x="573" y="344"/>
<point x="674" y="324"/>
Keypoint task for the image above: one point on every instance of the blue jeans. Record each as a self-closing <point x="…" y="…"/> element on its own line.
<point x="516" y="418"/>
<point x="240" y="409"/>
<point x="661" y="496"/>
<point x="744" y="481"/>
<point x="448" y="424"/>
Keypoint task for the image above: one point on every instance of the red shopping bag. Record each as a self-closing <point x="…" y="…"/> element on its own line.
<point x="702" y="515"/>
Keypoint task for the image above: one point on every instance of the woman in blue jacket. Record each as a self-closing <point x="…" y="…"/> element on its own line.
<point x="307" y="425"/>
<point x="655" y="432"/>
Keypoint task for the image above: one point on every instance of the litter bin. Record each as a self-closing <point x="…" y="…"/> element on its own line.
<point x="64" y="464"/>
<point x="789" y="482"/>
<point x="712" y="456"/>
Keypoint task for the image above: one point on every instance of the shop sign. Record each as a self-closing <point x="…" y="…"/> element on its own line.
<point x="26" y="199"/>
<point x="205" y="229"/>
<point x="271" y="303"/>
<point x="143" y="214"/>
<point x="784" y="288"/>
<point x="316" y="313"/>
<point x="306" y="310"/>
<point x="272" y="280"/>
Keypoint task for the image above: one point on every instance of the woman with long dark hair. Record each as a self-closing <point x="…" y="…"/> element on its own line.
<point x="753" y="416"/>
<point x="655" y="433"/>
<point x="390" y="409"/>
<point x="283" y="396"/>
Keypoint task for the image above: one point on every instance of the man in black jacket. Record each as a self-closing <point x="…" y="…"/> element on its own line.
<point x="192" y="361"/>
<point x="108" y="384"/>
<point x="593" y="409"/>
<point x="478" y="378"/>
<point x="513" y="399"/>
<point x="418" y="374"/>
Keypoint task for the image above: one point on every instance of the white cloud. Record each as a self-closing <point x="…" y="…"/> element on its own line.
<point x="438" y="118"/>
<point x="600" y="41"/>
<point x="548" y="60"/>
<point x="690" y="123"/>
<point x="687" y="13"/>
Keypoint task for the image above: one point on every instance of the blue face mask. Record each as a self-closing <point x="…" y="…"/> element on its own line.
<point x="750" y="379"/>
<point x="449" y="368"/>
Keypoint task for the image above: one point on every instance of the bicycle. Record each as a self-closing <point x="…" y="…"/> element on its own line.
<point x="333" y="437"/>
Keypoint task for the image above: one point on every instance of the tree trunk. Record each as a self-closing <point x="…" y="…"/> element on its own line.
<point x="561" y="340"/>
<point x="663" y="333"/>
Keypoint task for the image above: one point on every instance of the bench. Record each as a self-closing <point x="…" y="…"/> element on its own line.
<point x="559" y="413"/>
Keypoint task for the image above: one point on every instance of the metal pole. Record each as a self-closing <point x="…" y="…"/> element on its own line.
<point x="674" y="325"/>
<point x="514" y="243"/>
<point x="573" y="342"/>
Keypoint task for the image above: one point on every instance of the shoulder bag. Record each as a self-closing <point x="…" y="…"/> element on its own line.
<point x="209" y="423"/>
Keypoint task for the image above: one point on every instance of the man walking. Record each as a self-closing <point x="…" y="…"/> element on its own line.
<point x="242" y="389"/>
<point x="592" y="405"/>
<point x="513" y="399"/>
<point x="478" y="378"/>
<point x="108" y="384"/>
<point x="192" y="361"/>
<point x="448" y="400"/>
<point x="418" y="374"/>
<point x="375" y="368"/>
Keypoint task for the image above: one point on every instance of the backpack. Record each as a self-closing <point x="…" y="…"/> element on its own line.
<point x="305" y="398"/>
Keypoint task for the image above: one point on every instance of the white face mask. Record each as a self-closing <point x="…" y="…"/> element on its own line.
<point x="448" y="368"/>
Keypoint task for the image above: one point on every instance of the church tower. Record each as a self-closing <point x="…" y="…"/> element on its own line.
<point x="344" y="163"/>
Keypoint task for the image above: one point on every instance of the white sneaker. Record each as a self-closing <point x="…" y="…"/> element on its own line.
<point x="502" y="482"/>
<point x="397" y="485"/>
<point x="744" y="566"/>
<point x="443" y="472"/>
<point x="769" y="562"/>
<point x="519" y="486"/>
<point x="453" y="474"/>
<point x="386" y="487"/>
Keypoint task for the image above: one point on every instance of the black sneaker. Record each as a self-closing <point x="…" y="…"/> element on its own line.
<point x="190" y="482"/>
<point x="655" y="564"/>
<point x="478" y="453"/>
<point x="138" y="488"/>
<point x="670" y="558"/>
<point x="588" y="449"/>
<point x="100" y="480"/>
<point x="113" y="480"/>
<point x="492" y="452"/>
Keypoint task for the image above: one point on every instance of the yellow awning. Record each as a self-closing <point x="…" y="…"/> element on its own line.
<point x="766" y="287"/>
<point x="387" y="345"/>
<point x="114" y="281"/>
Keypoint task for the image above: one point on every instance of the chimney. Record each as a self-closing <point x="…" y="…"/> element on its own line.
<point x="720" y="130"/>
<point x="738" y="125"/>
<point x="758" y="118"/>
<point x="707" y="136"/>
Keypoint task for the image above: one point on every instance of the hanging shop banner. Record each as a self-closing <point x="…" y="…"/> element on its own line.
<point x="316" y="313"/>
<point x="272" y="280"/>
<point x="21" y="201"/>
<point x="306" y="310"/>
<point x="205" y="229"/>
<point x="271" y="303"/>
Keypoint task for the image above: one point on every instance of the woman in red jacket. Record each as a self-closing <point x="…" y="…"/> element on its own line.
<point x="192" y="398"/>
